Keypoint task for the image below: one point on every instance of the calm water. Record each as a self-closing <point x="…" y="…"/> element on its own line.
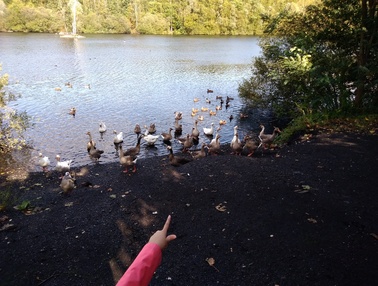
<point x="133" y="79"/>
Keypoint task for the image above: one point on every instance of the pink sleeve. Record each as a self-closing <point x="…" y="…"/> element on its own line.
<point x="140" y="272"/>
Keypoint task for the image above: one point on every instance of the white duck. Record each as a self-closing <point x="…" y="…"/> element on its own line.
<point x="151" y="139"/>
<point x="62" y="166"/>
<point x="44" y="162"/>
<point x="118" y="138"/>
<point x="235" y="139"/>
<point x="209" y="131"/>
<point x="102" y="127"/>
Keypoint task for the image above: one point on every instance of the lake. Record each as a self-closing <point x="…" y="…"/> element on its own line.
<point x="123" y="80"/>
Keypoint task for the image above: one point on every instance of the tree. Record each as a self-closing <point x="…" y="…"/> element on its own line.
<point x="12" y="123"/>
<point x="323" y="60"/>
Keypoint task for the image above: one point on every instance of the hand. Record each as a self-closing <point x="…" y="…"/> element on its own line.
<point x="160" y="237"/>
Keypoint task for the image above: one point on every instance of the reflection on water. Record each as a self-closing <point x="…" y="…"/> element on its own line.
<point x="123" y="80"/>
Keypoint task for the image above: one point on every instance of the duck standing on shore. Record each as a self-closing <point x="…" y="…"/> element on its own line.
<point x="44" y="162"/>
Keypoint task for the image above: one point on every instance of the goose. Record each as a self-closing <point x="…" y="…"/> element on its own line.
<point x="72" y="111"/>
<point x="137" y="129"/>
<point x="127" y="160"/>
<point x="102" y="127"/>
<point x="118" y="138"/>
<point x="237" y="146"/>
<point x="178" y="127"/>
<point x="267" y="139"/>
<point x="95" y="153"/>
<point x="150" y="139"/>
<point x="209" y="131"/>
<point x="228" y="98"/>
<point x="167" y="136"/>
<point x="195" y="131"/>
<point x="186" y="142"/>
<point x="250" y="145"/>
<point x="199" y="154"/>
<point x="235" y="139"/>
<point x="214" y="145"/>
<point x="135" y="150"/>
<point x="175" y="160"/>
<point x="90" y="142"/>
<point x="152" y="128"/>
<point x="67" y="184"/>
<point x="62" y="166"/>
<point x="178" y="115"/>
<point x="44" y="162"/>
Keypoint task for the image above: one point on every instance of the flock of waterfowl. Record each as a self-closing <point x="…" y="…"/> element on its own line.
<point x="128" y="157"/>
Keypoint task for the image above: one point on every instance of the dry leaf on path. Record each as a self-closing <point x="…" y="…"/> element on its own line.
<point x="221" y="207"/>
<point x="374" y="235"/>
<point x="211" y="262"/>
<point x="312" y="220"/>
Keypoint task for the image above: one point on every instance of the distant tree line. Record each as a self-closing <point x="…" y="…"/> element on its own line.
<point x="178" y="17"/>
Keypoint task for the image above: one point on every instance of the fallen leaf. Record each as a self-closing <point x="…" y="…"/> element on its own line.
<point x="374" y="235"/>
<point x="113" y="196"/>
<point x="312" y="220"/>
<point x="221" y="207"/>
<point x="70" y="204"/>
<point x="96" y="186"/>
<point x="211" y="262"/>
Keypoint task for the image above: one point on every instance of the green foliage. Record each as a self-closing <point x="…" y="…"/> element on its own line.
<point x="12" y="124"/>
<point x="24" y="206"/>
<point x="215" y="17"/>
<point x="319" y="62"/>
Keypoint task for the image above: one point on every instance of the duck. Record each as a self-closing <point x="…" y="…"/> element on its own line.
<point x="214" y="145"/>
<point x="62" y="166"/>
<point x="218" y="107"/>
<point x="222" y="122"/>
<point x="195" y="131"/>
<point x="178" y="127"/>
<point x="150" y="139"/>
<point x="167" y="136"/>
<point x="134" y="150"/>
<point x="211" y="112"/>
<point x="178" y="115"/>
<point x="209" y="91"/>
<point x="67" y="184"/>
<point x="95" y="153"/>
<point x="187" y="142"/>
<point x="209" y="131"/>
<point x="152" y="128"/>
<point x="58" y="89"/>
<point x="231" y="117"/>
<point x="118" y="137"/>
<point x="90" y="142"/>
<point x="87" y="86"/>
<point x="250" y="145"/>
<point x="243" y="115"/>
<point x="102" y="127"/>
<point x="196" y="99"/>
<point x="137" y="129"/>
<point x="208" y="100"/>
<point x="127" y="161"/>
<point x="267" y="139"/>
<point x="237" y="146"/>
<point x="68" y="84"/>
<point x="175" y="160"/>
<point x="204" y="109"/>
<point x="72" y="111"/>
<point x="235" y="139"/>
<point x="44" y="162"/>
<point x="201" y="153"/>
<point x="200" y="118"/>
